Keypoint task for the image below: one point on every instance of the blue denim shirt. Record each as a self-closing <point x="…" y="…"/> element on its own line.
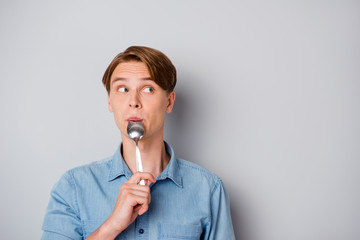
<point x="187" y="202"/>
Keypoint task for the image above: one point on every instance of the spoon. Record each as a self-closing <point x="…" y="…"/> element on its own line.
<point x="136" y="131"/>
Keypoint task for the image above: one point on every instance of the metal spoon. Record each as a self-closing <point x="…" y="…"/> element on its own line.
<point x="136" y="131"/>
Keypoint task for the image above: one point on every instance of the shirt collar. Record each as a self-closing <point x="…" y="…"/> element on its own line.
<point x="172" y="169"/>
<point x="119" y="168"/>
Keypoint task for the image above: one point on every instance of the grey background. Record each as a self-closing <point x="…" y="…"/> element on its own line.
<point x="267" y="99"/>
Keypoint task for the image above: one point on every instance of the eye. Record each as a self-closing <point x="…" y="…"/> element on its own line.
<point x="123" y="89"/>
<point x="148" y="89"/>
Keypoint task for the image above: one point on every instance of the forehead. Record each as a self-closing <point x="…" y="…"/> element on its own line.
<point x="132" y="69"/>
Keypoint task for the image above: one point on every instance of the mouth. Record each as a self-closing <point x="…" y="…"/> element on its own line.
<point x="134" y="119"/>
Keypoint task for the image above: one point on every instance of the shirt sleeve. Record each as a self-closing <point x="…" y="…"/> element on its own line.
<point x="220" y="226"/>
<point x="62" y="220"/>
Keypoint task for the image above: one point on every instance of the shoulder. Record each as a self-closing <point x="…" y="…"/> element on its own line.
<point x="194" y="173"/>
<point x="96" y="169"/>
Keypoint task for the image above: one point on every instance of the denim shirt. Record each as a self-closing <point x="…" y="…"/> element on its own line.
<point x="187" y="202"/>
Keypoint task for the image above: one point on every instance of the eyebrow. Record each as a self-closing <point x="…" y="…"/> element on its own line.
<point x="126" y="79"/>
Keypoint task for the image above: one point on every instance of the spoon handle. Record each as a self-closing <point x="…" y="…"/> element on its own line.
<point x="139" y="164"/>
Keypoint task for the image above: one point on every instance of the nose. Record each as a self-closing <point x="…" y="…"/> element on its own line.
<point x="134" y="101"/>
<point x="134" y="105"/>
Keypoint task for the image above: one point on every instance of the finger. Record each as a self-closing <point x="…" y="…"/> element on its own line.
<point x="134" y="187"/>
<point x="128" y="190"/>
<point x="146" y="176"/>
<point x="137" y="208"/>
<point x="143" y="209"/>
<point x="139" y="200"/>
<point x="147" y="183"/>
<point x="140" y="193"/>
<point x="136" y="177"/>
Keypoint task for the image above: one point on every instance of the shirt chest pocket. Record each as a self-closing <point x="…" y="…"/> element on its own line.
<point x="179" y="231"/>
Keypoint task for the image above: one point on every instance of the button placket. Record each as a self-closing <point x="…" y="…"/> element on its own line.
<point x="142" y="226"/>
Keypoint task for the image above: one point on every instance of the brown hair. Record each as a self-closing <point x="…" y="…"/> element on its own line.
<point x="161" y="70"/>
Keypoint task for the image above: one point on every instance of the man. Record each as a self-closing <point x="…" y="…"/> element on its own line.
<point x="104" y="200"/>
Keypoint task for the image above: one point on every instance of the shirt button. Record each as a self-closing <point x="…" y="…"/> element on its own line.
<point x="141" y="231"/>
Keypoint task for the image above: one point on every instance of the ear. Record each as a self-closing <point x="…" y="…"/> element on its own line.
<point x="170" y="102"/>
<point x="109" y="104"/>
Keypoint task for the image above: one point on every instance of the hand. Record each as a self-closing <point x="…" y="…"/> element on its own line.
<point x="133" y="200"/>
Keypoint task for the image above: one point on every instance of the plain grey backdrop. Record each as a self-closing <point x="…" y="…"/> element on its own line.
<point x="267" y="99"/>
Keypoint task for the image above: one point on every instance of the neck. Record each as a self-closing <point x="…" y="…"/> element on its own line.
<point x="153" y="154"/>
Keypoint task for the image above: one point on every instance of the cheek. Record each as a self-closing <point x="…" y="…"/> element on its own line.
<point x="159" y="106"/>
<point x="117" y="108"/>
<point x="155" y="110"/>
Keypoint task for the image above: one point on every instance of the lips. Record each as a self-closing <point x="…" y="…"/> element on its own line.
<point x="134" y="119"/>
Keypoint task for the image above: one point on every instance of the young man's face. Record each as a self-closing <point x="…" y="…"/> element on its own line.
<point x="135" y="97"/>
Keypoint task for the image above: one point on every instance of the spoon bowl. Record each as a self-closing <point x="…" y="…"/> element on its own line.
<point x="135" y="130"/>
